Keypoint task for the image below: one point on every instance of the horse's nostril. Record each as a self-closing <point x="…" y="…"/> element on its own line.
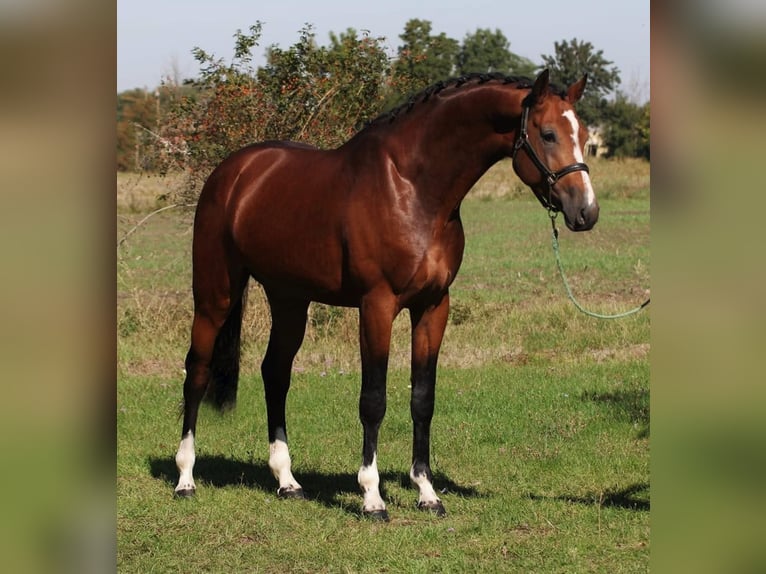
<point x="594" y="212"/>
<point x="588" y="216"/>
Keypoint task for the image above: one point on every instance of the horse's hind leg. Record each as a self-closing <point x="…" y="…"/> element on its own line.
<point x="204" y="331"/>
<point x="428" y="326"/>
<point x="288" y="325"/>
<point x="218" y="302"/>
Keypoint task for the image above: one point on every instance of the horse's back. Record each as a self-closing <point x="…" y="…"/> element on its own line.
<point x="243" y="169"/>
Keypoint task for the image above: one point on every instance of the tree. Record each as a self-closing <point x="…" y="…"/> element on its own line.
<point x="486" y="51"/>
<point x="424" y="58"/>
<point x="573" y="59"/>
<point x="322" y="93"/>
<point x="521" y="66"/>
<point x="137" y="116"/>
<point x="361" y="71"/>
<point x="306" y="92"/>
<point x="626" y="131"/>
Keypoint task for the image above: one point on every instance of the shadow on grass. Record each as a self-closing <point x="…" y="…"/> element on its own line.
<point x="631" y="405"/>
<point x="633" y="497"/>
<point x="325" y="488"/>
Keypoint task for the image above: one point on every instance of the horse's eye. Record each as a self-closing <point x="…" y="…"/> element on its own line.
<point x="549" y="137"/>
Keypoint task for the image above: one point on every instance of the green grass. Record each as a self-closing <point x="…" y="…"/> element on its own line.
<point x="539" y="442"/>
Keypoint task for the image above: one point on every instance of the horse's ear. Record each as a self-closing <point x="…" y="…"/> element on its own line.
<point x="574" y="93"/>
<point x="540" y="89"/>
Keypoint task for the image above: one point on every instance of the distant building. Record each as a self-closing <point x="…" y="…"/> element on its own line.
<point x="595" y="146"/>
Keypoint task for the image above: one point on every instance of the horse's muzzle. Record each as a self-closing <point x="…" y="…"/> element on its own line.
<point x="583" y="219"/>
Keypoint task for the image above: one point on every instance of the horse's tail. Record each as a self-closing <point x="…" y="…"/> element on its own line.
<point x="224" y="366"/>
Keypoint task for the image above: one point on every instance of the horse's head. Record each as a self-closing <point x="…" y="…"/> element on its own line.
<point x="548" y="153"/>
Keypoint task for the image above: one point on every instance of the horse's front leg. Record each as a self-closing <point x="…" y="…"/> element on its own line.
<point x="376" y="315"/>
<point x="428" y="324"/>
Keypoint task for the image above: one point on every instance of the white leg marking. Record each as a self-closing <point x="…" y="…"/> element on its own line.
<point x="427" y="492"/>
<point x="185" y="458"/>
<point x="369" y="482"/>
<point x="280" y="463"/>
<point x="590" y="196"/>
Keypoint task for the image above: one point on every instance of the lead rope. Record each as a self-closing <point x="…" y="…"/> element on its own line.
<point x="552" y="214"/>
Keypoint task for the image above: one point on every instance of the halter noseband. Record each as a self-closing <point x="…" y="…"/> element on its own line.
<point x="550" y="176"/>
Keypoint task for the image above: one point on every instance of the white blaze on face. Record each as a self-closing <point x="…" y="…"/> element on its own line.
<point x="590" y="196"/>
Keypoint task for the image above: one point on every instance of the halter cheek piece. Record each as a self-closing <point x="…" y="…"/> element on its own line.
<point x="550" y="177"/>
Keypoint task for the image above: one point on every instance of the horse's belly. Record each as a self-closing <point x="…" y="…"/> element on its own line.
<point x="290" y="252"/>
<point x="299" y="268"/>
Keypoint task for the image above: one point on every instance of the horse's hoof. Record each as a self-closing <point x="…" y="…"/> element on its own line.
<point x="184" y="493"/>
<point x="377" y="515"/>
<point x="290" y="492"/>
<point x="436" y="507"/>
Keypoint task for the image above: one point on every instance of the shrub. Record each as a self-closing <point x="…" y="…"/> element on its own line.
<point x="306" y="93"/>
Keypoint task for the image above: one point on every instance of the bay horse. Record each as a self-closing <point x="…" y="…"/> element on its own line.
<point x="374" y="224"/>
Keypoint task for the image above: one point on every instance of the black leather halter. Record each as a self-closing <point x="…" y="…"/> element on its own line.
<point x="550" y="176"/>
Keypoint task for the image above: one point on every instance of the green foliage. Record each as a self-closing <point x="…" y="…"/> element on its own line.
<point x="324" y="318"/>
<point x="521" y="66"/>
<point x="322" y="94"/>
<point x="486" y="51"/>
<point x="571" y="60"/>
<point x="129" y="323"/>
<point x="307" y="93"/>
<point x="423" y="57"/>
<point x="145" y="140"/>
<point x="136" y="118"/>
<point x="627" y="128"/>
<point x="223" y="113"/>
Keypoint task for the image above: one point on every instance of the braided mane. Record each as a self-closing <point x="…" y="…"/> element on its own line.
<point x="471" y="79"/>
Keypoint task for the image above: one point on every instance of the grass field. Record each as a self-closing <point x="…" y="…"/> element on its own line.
<point x="540" y="439"/>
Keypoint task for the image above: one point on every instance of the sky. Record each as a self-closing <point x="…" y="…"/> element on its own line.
<point x="155" y="37"/>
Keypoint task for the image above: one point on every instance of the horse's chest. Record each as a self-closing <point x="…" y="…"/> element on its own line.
<point x="434" y="272"/>
<point x="436" y="267"/>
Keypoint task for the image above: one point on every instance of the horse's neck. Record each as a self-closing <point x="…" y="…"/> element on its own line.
<point x="447" y="149"/>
